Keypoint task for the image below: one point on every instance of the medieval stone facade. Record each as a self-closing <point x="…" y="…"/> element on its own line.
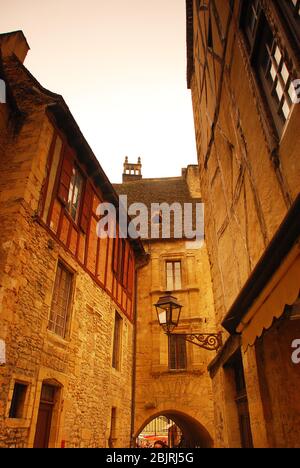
<point x="243" y="60"/>
<point x="171" y="373"/>
<point x="66" y="310"/>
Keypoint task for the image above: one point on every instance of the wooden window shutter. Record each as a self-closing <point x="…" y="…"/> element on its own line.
<point x="86" y="207"/>
<point x="177" y="352"/>
<point x="130" y="274"/>
<point x="126" y="264"/>
<point x="172" y="352"/>
<point x="65" y="176"/>
<point x="115" y="255"/>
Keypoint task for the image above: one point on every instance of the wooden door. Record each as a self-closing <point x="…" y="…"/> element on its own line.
<point x="43" y="426"/>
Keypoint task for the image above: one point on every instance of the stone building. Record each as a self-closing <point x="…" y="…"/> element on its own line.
<point x="243" y="69"/>
<point x="171" y="377"/>
<point x="66" y="295"/>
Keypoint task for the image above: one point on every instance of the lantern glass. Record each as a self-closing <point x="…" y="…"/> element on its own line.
<point x="168" y="312"/>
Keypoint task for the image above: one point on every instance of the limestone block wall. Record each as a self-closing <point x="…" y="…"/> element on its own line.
<point x="81" y="364"/>
<point x="247" y="185"/>
<point x="249" y="176"/>
<point x="159" y="389"/>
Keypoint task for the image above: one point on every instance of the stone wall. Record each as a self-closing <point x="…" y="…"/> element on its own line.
<point x="158" y="389"/>
<point x="79" y="365"/>
<point x="248" y="176"/>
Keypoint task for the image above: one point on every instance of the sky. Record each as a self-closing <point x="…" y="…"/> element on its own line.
<point x="121" y="67"/>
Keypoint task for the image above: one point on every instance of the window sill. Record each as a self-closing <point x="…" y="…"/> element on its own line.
<point x="15" y="423"/>
<point x="178" y="291"/>
<point x="116" y="372"/>
<point x="169" y="372"/>
<point x="56" y="339"/>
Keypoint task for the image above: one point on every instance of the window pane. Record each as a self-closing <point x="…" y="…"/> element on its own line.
<point x="116" y="357"/>
<point x="75" y="192"/>
<point x="18" y="400"/>
<point x="170" y="282"/>
<point x="177" y="275"/>
<point x="284" y="73"/>
<point x="279" y="91"/>
<point x="60" y="301"/>
<point x="273" y="72"/>
<point x="277" y="55"/>
<point x="286" y="109"/>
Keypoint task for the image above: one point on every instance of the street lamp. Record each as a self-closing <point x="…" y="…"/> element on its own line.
<point x="168" y="311"/>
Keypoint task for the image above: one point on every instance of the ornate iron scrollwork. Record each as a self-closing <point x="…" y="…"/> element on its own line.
<point x="209" y="341"/>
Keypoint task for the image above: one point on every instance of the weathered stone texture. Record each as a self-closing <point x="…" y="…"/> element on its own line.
<point x="249" y="178"/>
<point x="81" y="364"/>
<point x="159" y="389"/>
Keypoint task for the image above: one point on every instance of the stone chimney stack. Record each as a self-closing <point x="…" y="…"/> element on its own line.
<point x="132" y="171"/>
<point x="14" y="43"/>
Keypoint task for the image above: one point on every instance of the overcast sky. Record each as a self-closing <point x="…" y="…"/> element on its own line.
<point x="121" y="67"/>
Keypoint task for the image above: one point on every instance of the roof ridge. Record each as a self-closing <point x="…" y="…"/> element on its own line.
<point x="152" y="179"/>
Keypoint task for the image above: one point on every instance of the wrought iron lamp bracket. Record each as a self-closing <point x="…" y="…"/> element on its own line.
<point x="209" y="341"/>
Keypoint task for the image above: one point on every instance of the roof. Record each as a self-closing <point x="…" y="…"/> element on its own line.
<point x="18" y="32"/>
<point x="159" y="190"/>
<point x="27" y="96"/>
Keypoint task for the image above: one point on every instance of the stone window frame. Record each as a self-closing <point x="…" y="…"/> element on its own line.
<point x="172" y="257"/>
<point x="174" y="271"/>
<point x="25" y="421"/>
<point x="176" y="353"/>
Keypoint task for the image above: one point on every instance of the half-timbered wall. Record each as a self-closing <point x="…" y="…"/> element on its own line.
<point x="109" y="261"/>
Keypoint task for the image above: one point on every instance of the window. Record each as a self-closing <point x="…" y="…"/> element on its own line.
<point x="173" y="276"/>
<point x="18" y="401"/>
<point x="295" y="4"/>
<point x="121" y="265"/>
<point x="116" y="356"/>
<point x="75" y="191"/>
<point x="268" y="62"/>
<point x="113" y="426"/>
<point x="236" y="365"/>
<point x="157" y="217"/>
<point x="252" y="15"/>
<point x="177" y="352"/>
<point x="71" y="185"/>
<point x="290" y="12"/>
<point x="60" y="301"/>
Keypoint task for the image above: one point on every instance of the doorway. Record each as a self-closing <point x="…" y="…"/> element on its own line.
<point x="45" y="416"/>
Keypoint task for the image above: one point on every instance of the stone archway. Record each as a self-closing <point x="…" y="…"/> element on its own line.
<point x="194" y="433"/>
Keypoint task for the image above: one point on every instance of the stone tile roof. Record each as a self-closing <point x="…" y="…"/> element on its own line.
<point x="147" y="191"/>
<point x="161" y="190"/>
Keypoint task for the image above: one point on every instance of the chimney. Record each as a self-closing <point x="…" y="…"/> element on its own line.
<point x="14" y="43"/>
<point x="132" y="171"/>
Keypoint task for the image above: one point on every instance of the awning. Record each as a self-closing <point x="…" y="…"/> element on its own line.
<point x="282" y="290"/>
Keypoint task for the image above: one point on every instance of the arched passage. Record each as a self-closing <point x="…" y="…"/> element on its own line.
<point x="194" y="433"/>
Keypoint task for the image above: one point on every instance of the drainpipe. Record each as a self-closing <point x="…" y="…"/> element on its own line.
<point x="138" y="266"/>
